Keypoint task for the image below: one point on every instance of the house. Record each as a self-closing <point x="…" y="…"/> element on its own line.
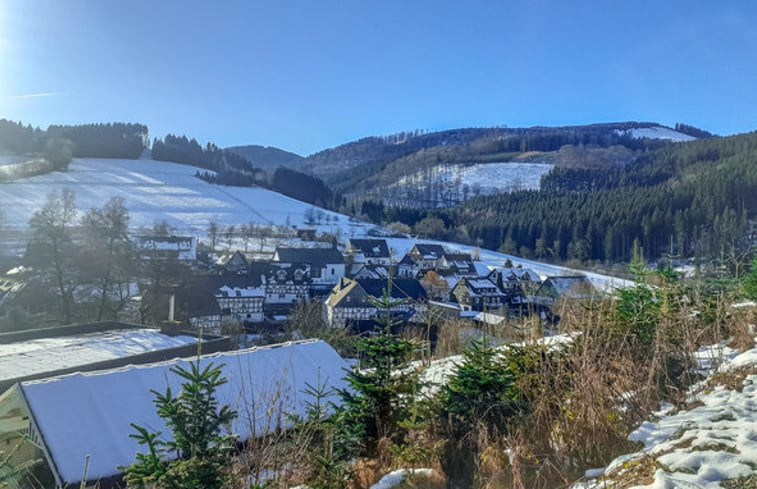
<point x="284" y="283"/>
<point x="369" y="271"/>
<point x="420" y="258"/>
<point x="408" y="267"/>
<point x="353" y="299"/>
<point x="370" y="251"/>
<point x="518" y="280"/>
<point x="182" y="248"/>
<point x="457" y="263"/>
<point x="568" y="287"/>
<point x="326" y="264"/>
<point x="478" y="294"/>
<point x="233" y="263"/>
<point x="72" y="418"/>
<point x="238" y="297"/>
<point x="194" y="303"/>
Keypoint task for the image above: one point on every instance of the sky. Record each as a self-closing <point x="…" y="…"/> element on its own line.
<point x="305" y="75"/>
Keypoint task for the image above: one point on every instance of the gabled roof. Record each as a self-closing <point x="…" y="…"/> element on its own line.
<point x="270" y="272"/>
<point x="573" y="286"/>
<point x="515" y="274"/>
<point x="318" y="257"/>
<point x="91" y="414"/>
<point x="371" y="248"/>
<point x="402" y="288"/>
<point x="429" y="251"/>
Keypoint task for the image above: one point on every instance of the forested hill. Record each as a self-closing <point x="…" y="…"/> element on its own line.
<point x="381" y="161"/>
<point x="695" y="197"/>
<point x="267" y="157"/>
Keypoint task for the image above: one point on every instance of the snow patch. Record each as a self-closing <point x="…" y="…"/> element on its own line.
<point x="656" y="132"/>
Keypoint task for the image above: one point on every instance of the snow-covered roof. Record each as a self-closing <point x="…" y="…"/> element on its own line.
<point x="250" y="291"/>
<point x="24" y="359"/>
<point x="91" y="414"/>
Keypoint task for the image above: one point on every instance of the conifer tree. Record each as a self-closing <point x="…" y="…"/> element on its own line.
<point x="381" y="390"/>
<point x="196" y="421"/>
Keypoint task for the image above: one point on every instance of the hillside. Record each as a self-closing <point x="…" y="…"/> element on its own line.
<point x="409" y="168"/>
<point x="157" y="191"/>
<point x="267" y="157"/>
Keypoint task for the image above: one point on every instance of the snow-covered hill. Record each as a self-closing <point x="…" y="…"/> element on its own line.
<point x="444" y="185"/>
<point x="656" y="132"/>
<point x="157" y="191"/>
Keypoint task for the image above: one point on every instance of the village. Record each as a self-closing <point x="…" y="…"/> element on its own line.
<point x="347" y="279"/>
<point x="219" y="304"/>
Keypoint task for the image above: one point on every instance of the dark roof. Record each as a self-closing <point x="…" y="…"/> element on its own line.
<point x="429" y="249"/>
<point x="458" y="256"/>
<point x="371" y="248"/>
<point x="409" y="288"/>
<point x="317" y="257"/>
<point x="197" y="298"/>
<point x="270" y="270"/>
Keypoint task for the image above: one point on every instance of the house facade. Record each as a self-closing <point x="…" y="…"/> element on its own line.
<point x="353" y="300"/>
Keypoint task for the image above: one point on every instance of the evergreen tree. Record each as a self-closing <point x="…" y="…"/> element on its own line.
<point x="196" y="422"/>
<point x="383" y="388"/>
<point x="482" y="395"/>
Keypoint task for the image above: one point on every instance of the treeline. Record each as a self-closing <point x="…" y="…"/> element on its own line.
<point x="232" y="169"/>
<point x="108" y="140"/>
<point x="304" y="187"/>
<point x="695" y="197"/>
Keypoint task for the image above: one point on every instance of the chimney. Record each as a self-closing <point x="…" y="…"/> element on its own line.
<point x="171" y="306"/>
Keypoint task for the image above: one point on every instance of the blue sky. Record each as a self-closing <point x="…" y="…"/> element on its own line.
<point x="310" y="74"/>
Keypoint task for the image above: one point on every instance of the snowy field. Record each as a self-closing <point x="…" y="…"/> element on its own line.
<point x="456" y="183"/>
<point x="156" y="191"/>
<point x="656" y="132"/>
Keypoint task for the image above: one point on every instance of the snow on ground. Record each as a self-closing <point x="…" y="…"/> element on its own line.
<point x="453" y="183"/>
<point x="393" y="479"/>
<point x="488" y="178"/>
<point x="656" y="132"/>
<point x="712" y="441"/>
<point x="605" y="283"/>
<point x="155" y="191"/>
<point x="439" y="371"/>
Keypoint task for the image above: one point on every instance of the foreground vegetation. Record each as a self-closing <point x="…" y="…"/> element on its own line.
<point x="534" y="414"/>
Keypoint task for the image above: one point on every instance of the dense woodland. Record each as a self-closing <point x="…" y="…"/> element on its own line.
<point x="694" y="199"/>
<point x="111" y="140"/>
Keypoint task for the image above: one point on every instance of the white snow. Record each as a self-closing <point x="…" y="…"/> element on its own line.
<point x="478" y="179"/>
<point x="714" y="440"/>
<point x="90" y="414"/>
<point x="656" y="132"/>
<point x="156" y="191"/>
<point x="393" y="479"/>
<point x="49" y="354"/>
